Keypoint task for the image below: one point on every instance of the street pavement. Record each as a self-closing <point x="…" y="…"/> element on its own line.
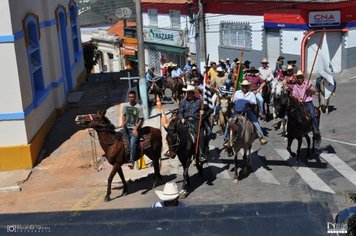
<point x="65" y="180"/>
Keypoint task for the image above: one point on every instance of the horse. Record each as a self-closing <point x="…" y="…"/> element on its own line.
<point x="180" y="143"/>
<point x="113" y="144"/>
<point x="323" y="102"/>
<point x="299" y="123"/>
<point x="242" y="135"/>
<point x="266" y="95"/>
<point x="224" y="113"/>
<point x="176" y="86"/>
<point x="277" y="93"/>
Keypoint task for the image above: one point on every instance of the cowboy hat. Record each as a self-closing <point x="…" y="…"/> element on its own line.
<point x="170" y="192"/>
<point x="174" y="64"/>
<point x="292" y="62"/>
<point x="165" y="65"/>
<point x="170" y="64"/>
<point x="219" y="69"/>
<point x="245" y="83"/>
<point x="247" y="62"/>
<point x="253" y="70"/>
<point x="264" y="60"/>
<point x="300" y="73"/>
<point x="189" y="88"/>
<point x="189" y="59"/>
<point x="280" y="58"/>
<point x="194" y="68"/>
<point x="290" y="67"/>
<point x="222" y="60"/>
<point x="227" y="59"/>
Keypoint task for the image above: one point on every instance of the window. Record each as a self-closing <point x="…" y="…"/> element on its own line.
<point x="235" y="35"/>
<point x="175" y="19"/>
<point x="153" y="17"/>
<point x="74" y="29"/>
<point x="32" y="39"/>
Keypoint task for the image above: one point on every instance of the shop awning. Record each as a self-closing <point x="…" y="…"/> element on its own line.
<point x="161" y="47"/>
<point x="131" y="58"/>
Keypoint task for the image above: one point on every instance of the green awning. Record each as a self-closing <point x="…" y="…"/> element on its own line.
<point x="161" y="47"/>
<point x="132" y="58"/>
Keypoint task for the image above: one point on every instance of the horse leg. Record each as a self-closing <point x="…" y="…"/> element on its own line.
<point x="186" y="180"/>
<point x="111" y="177"/>
<point x="308" y="142"/>
<point x="290" y="140"/>
<point x="121" y="174"/>
<point x="236" y="175"/>
<point x="157" y="174"/>
<point x="245" y="163"/>
<point x="298" y="150"/>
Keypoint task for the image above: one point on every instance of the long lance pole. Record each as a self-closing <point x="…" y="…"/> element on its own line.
<point x="239" y="69"/>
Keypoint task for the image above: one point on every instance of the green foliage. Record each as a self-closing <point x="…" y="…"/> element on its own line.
<point x="91" y="55"/>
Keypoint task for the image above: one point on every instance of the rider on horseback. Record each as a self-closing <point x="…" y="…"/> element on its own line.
<point x="224" y="91"/>
<point x="132" y="119"/>
<point x="304" y="92"/>
<point x="289" y="79"/>
<point x="266" y="72"/>
<point x="257" y="86"/>
<point x="150" y="78"/>
<point x="243" y="99"/>
<point x="189" y="113"/>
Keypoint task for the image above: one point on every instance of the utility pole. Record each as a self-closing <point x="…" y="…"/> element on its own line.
<point x="202" y="40"/>
<point x="141" y="60"/>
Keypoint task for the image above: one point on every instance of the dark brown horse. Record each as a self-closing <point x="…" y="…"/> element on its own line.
<point x="299" y="123"/>
<point x="176" y="86"/>
<point x="266" y="94"/>
<point x="113" y="145"/>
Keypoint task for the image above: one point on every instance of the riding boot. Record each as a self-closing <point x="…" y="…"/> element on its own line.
<point x="262" y="140"/>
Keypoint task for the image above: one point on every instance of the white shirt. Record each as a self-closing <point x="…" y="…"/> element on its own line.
<point x="266" y="73"/>
<point x="177" y="73"/>
<point x="241" y="99"/>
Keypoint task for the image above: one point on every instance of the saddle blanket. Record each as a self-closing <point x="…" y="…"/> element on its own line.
<point x="145" y="143"/>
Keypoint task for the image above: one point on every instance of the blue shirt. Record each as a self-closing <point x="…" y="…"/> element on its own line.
<point x="187" y="68"/>
<point x="241" y="100"/>
<point x="189" y="108"/>
<point x="177" y="73"/>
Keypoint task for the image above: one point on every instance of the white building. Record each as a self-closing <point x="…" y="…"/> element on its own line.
<point x="42" y="61"/>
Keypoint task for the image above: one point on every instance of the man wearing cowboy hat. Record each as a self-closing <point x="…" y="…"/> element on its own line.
<point x="150" y="78"/>
<point x="195" y="76"/>
<point x="169" y="196"/>
<point x="293" y="63"/>
<point x="257" y="84"/>
<point x="242" y="100"/>
<point x="187" y="68"/>
<point x="189" y="112"/>
<point x="304" y="91"/>
<point x="265" y="71"/>
<point x="290" y="79"/>
<point x="228" y="65"/>
<point x="176" y="71"/>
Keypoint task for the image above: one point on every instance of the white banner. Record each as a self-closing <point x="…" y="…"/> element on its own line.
<point x="164" y="36"/>
<point x="324" y="18"/>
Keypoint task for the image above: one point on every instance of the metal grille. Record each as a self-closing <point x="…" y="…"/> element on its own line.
<point x="235" y="34"/>
<point x="154" y="59"/>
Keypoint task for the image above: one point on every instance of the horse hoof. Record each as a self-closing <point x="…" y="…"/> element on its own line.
<point x="107" y="198"/>
<point x="183" y="195"/>
<point x="236" y="181"/>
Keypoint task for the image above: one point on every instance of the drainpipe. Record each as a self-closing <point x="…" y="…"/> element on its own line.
<point x="305" y="40"/>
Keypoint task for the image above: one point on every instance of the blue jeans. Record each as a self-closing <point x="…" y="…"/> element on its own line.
<point x="252" y="117"/>
<point x="133" y="145"/>
<point x="217" y="110"/>
<point x="260" y="102"/>
<point x="311" y="110"/>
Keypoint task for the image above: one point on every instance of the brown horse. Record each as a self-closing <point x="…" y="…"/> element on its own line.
<point x="176" y="86"/>
<point x="225" y="113"/>
<point x="242" y="136"/>
<point x="113" y="144"/>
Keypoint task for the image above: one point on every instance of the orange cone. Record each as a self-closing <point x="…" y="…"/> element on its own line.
<point x="165" y="120"/>
<point x="158" y="103"/>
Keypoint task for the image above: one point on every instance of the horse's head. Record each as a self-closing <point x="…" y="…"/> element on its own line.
<point x="95" y="121"/>
<point x="281" y="104"/>
<point x="172" y="135"/>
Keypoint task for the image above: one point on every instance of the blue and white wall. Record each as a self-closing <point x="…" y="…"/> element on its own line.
<point x="24" y="110"/>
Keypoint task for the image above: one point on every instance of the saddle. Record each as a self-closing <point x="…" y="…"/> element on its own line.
<point x="144" y="139"/>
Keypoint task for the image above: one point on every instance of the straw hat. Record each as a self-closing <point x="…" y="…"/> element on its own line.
<point x="174" y="64"/>
<point x="290" y="67"/>
<point x="300" y="73"/>
<point x="264" y="60"/>
<point x="170" y="64"/>
<point x="165" y="65"/>
<point x="189" y="88"/>
<point x="194" y="68"/>
<point x="227" y="59"/>
<point x="245" y="83"/>
<point x="219" y="69"/>
<point x="170" y="192"/>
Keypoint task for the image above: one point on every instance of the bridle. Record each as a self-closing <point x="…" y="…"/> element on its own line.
<point x="102" y="129"/>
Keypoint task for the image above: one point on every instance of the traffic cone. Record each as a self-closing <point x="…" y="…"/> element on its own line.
<point x="158" y="103"/>
<point x="141" y="163"/>
<point x="165" y="120"/>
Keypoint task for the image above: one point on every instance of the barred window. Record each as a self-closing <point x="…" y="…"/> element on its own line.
<point x="175" y="19"/>
<point x="235" y="34"/>
<point x="153" y="17"/>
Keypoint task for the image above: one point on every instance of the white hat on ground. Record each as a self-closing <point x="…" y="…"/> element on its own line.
<point x="170" y="191"/>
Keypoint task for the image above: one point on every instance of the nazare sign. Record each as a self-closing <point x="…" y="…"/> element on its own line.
<point x="324" y="18"/>
<point x="164" y="36"/>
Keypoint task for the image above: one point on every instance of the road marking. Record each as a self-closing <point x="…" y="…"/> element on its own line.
<point x="224" y="174"/>
<point x="90" y="201"/>
<point x="261" y="173"/>
<point x="306" y="173"/>
<point x="342" y="142"/>
<point x="340" y="166"/>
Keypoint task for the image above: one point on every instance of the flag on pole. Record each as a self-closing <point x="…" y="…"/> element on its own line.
<point x="324" y="68"/>
<point x="240" y="76"/>
<point x="207" y="94"/>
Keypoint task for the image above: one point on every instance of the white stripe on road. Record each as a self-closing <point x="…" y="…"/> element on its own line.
<point x="307" y="174"/>
<point x="224" y="174"/>
<point x="261" y="173"/>
<point x="340" y="166"/>
<point x="337" y="141"/>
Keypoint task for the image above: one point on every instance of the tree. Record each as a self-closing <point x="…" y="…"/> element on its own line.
<point x="91" y="55"/>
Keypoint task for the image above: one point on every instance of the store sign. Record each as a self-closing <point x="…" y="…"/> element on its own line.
<point x="164" y="36"/>
<point x="324" y="18"/>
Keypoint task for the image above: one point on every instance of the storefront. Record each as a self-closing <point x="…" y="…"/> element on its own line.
<point x="164" y="45"/>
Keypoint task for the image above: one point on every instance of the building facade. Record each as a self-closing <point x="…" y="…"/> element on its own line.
<point x="42" y="61"/>
<point x="289" y="28"/>
<point x="169" y="33"/>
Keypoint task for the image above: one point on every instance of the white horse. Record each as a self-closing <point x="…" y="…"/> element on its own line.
<point x="277" y="92"/>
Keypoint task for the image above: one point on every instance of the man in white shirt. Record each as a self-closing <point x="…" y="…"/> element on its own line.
<point x="242" y="100"/>
<point x="176" y="72"/>
<point x="265" y="71"/>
